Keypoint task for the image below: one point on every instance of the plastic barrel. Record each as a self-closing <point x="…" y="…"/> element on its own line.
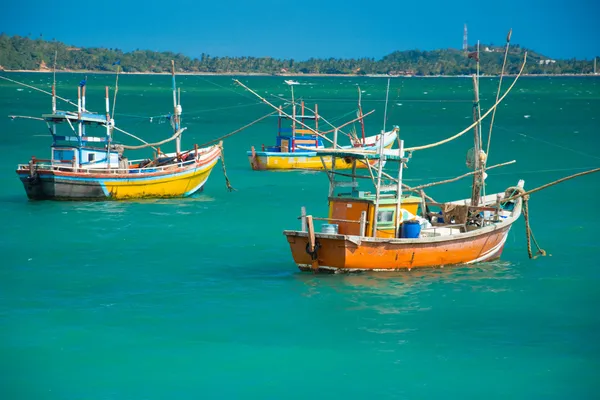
<point x="331" y="229"/>
<point x="411" y="229"/>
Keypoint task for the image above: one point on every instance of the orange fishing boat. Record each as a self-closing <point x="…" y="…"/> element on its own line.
<point x="388" y="230"/>
<point x="382" y="231"/>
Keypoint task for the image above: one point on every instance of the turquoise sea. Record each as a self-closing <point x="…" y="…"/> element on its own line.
<point x="199" y="298"/>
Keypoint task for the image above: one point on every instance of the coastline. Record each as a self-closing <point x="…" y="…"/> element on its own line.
<point x="311" y="75"/>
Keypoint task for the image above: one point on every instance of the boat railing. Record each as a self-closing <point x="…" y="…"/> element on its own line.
<point x="67" y="166"/>
<point x="306" y="221"/>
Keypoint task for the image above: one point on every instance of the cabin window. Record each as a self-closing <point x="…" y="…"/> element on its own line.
<point x="385" y="216"/>
<point x="91" y="157"/>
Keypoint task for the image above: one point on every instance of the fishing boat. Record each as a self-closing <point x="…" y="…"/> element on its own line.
<point x="298" y="136"/>
<point x="83" y="166"/>
<point x="389" y="229"/>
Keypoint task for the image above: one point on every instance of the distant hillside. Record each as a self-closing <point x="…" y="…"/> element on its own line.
<point x="23" y="53"/>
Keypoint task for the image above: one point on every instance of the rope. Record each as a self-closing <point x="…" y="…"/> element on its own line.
<point x="547" y="142"/>
<point x="556" y="182"/>
<point x="528" y="231"/>
<point x="143" y="146"/>
<point x="411" y="149"/>
<point x="462" y="176"/>
<point x="321" y="118"/>
<point x="487" y="151"/>
<point x="227" y="182"/>
<point x="39" y="90"/>
<point x="238" y="130"/>
<point x="525" y="195"/>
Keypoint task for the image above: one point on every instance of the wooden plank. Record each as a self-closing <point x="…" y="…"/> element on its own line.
<point x="388" y="188"/>
<point x="346" y="184"/>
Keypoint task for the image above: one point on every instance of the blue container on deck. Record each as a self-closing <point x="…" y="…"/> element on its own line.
<point x="411" y="229"/>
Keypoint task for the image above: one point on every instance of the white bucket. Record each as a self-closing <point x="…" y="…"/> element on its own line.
<point x="331" y="229"/>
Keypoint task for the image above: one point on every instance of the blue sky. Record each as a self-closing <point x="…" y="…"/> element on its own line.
<point x="309" y="28"/>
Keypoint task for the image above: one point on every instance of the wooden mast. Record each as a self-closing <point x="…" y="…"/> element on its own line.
<point x="476" y="148"/>
<point x="176" y="111"/>
<point x="387" y="92"/>
<point x="398" y="221"/>
<point x="107" y="129"/>
<point x="293" y="119"/>
<point x="360" y="114"/>
<point x="378" y="185"/>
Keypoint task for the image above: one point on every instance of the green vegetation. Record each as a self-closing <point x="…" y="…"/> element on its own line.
<point x="24" y="53"/>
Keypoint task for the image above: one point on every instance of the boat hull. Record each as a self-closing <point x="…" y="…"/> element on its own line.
<point x="345" y="253"/>
<point x="174" y="181"/>
<point x="285" y="161"/>
<point x="307" y="159"/>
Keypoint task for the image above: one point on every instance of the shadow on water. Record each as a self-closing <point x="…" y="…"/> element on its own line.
<point x="484" y="277"/>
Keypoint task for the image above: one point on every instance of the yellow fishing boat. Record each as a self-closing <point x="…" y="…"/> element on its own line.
<point x="84" y="167"/>
<point x="298" y="138"/>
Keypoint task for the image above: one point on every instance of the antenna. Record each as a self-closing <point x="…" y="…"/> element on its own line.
<point x="465" y="42"/>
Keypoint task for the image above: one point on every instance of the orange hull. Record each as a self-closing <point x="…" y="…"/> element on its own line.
<point x="345" y="253"/>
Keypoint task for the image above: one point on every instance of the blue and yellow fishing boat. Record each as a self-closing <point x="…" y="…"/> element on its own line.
<point x="298" y="137"/>
<point x="85" y="167"/>
<point x="295" y="148"/>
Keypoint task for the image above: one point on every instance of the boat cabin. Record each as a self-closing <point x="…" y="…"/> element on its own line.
<point x="344" y="211"/>
<point x="294" y="131"/>
<point x="79" y="149"/>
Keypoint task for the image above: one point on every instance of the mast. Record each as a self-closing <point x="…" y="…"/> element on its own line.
<point x="80" y="122"/>
<point x="54" y="86"/>
<point x="83" y="106"/>
<point x="378" y="187"/>
<point x="293" y="119"/>
<point x="107" y="128"/>
<point x="360" y="114"/>
<point x="386" y="106"/>
<point x="399" y="188"/>
<point x="477" y="146"/>
<point x="489" y="139"/>
<point x="79" y="110"/>
<point x="176" y="111"/>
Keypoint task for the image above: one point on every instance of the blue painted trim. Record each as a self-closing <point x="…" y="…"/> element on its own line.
<point x="104" y="189"/>
<point x="133" y="177"/>
<point x="277" y="154"/>
<point x="95" y="161"/>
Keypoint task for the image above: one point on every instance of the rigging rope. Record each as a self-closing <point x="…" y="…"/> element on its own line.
<point x="547" y="142"/>
<point x="143" y="146"/>
<point x="428" y="146"/>
<point x="39" y="90"/>
<point x="238" y="130"/>
<point x="556" y="182"/>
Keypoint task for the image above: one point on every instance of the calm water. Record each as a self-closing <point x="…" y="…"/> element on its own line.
<point x="200" y="298"/>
